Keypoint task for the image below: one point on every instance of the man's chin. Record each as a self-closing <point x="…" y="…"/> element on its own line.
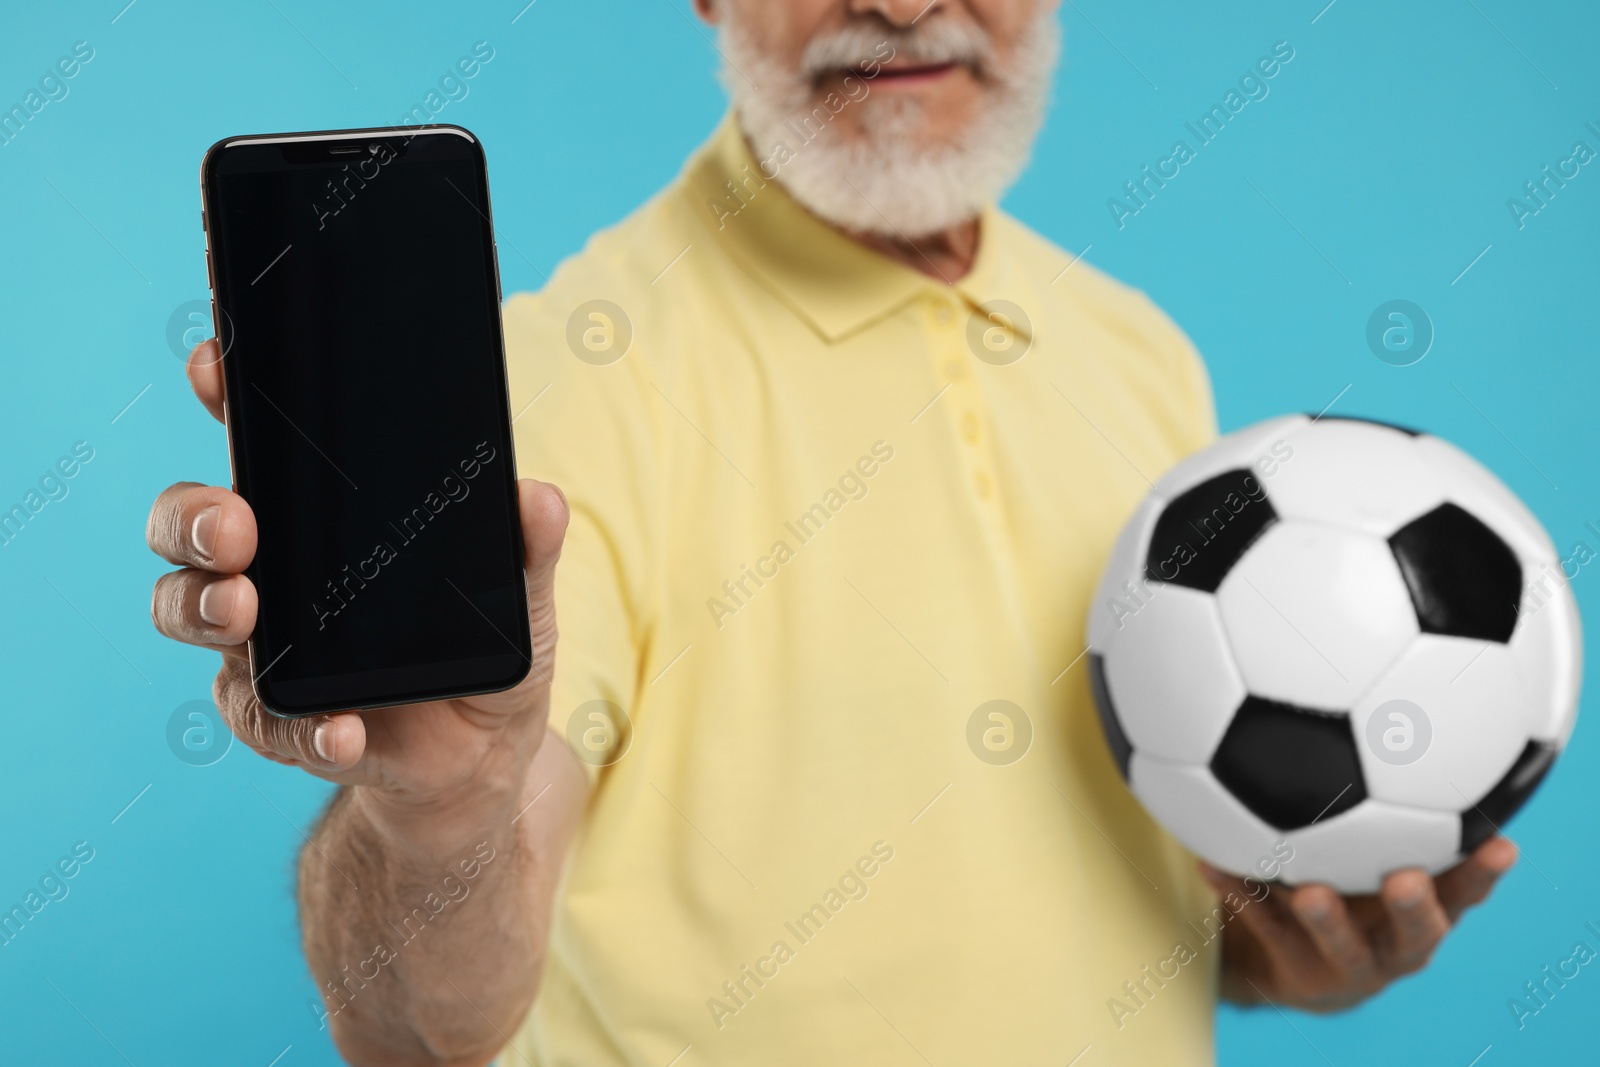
<point x="913" y="123"/>
<point x="890" y="190"/>
<point x="919" y="136"/>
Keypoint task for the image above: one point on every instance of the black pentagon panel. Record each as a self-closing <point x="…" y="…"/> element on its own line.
<point x="1485" y="817"/>
<point x="1204" y="531"/>
<point x="1289" y="765"/>
<point x="1408" y="431"/>
<point x="1464" y="580"/>
<point x="1121" y="747"/>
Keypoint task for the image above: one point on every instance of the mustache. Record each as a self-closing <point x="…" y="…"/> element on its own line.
<point x="940" y="40"/>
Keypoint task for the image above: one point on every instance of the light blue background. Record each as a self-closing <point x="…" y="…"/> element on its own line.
<point x="1390" y="145"/>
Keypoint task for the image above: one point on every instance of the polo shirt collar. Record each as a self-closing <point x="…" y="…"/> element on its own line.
<point x="835" y="284"/>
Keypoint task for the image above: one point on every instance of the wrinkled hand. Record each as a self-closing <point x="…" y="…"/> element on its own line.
<point x="420" y="757"/>
<point x="1310" y="948"/>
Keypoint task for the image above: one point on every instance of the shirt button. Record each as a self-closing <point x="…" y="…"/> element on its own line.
<point x="981" y="483"/>
<point x="942" y="314"/>
<point x="954" y="368"/>
<point x="969" y="427"/>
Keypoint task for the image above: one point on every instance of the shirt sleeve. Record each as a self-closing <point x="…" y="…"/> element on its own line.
<point x="584" y="428"/>
<point x="1195" y="383"/>
<point x="1193" y="403"/>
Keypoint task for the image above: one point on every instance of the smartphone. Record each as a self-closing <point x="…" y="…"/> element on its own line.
<point x="356" y="300"/>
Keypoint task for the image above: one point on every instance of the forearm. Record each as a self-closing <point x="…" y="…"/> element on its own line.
<point x="426" y="931"/>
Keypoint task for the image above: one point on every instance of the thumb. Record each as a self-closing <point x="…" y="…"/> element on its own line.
<point x="544" y="514"/>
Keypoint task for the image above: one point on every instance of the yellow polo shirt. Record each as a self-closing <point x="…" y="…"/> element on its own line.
<point x="826" y="513"/>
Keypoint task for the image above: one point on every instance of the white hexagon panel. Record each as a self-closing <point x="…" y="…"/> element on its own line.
<point x="1443" y="726"/>
<point x="1315" y="614"/>
<point x="1354" y="475"/>
<point x="1121" y="583"/>
<point x="1474" y="487"/>
<point x="1353" y="851"/>
<point x="1196" y="810"/>
<point x="1259" y="448"/>
<point x="1171" y="660"/>
<point x="1547" y="647"/>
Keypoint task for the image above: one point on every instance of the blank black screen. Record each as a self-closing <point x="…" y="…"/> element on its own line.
<point x="365" y="375"/>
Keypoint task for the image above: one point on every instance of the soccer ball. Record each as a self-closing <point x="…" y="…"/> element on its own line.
<point x="1336" y="635"/>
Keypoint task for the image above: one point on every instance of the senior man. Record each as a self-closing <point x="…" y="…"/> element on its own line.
<point x="843" y="448"/>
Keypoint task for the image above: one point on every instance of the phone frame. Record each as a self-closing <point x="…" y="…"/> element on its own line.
<point x="506" y="442"/>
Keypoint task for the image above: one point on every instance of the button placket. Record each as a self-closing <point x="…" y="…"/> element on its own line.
<point x="953" y="360"/>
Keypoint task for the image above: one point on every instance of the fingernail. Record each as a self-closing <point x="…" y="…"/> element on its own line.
<point x="325" y="742"/>
<point x="216" y="602"/>
<point x="204" y="531"/>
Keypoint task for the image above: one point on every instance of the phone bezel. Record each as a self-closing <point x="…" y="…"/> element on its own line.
<point x="522" y="640"/>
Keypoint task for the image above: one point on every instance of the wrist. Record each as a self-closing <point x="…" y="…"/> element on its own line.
<point x="442" y="822"/>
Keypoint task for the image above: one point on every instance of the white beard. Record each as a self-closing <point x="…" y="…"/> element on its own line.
<point x="887" y="182"/>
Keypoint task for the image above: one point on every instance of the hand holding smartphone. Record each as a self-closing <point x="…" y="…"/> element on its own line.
<point x="377" y="549"/>
<point x="356" y="296"/>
